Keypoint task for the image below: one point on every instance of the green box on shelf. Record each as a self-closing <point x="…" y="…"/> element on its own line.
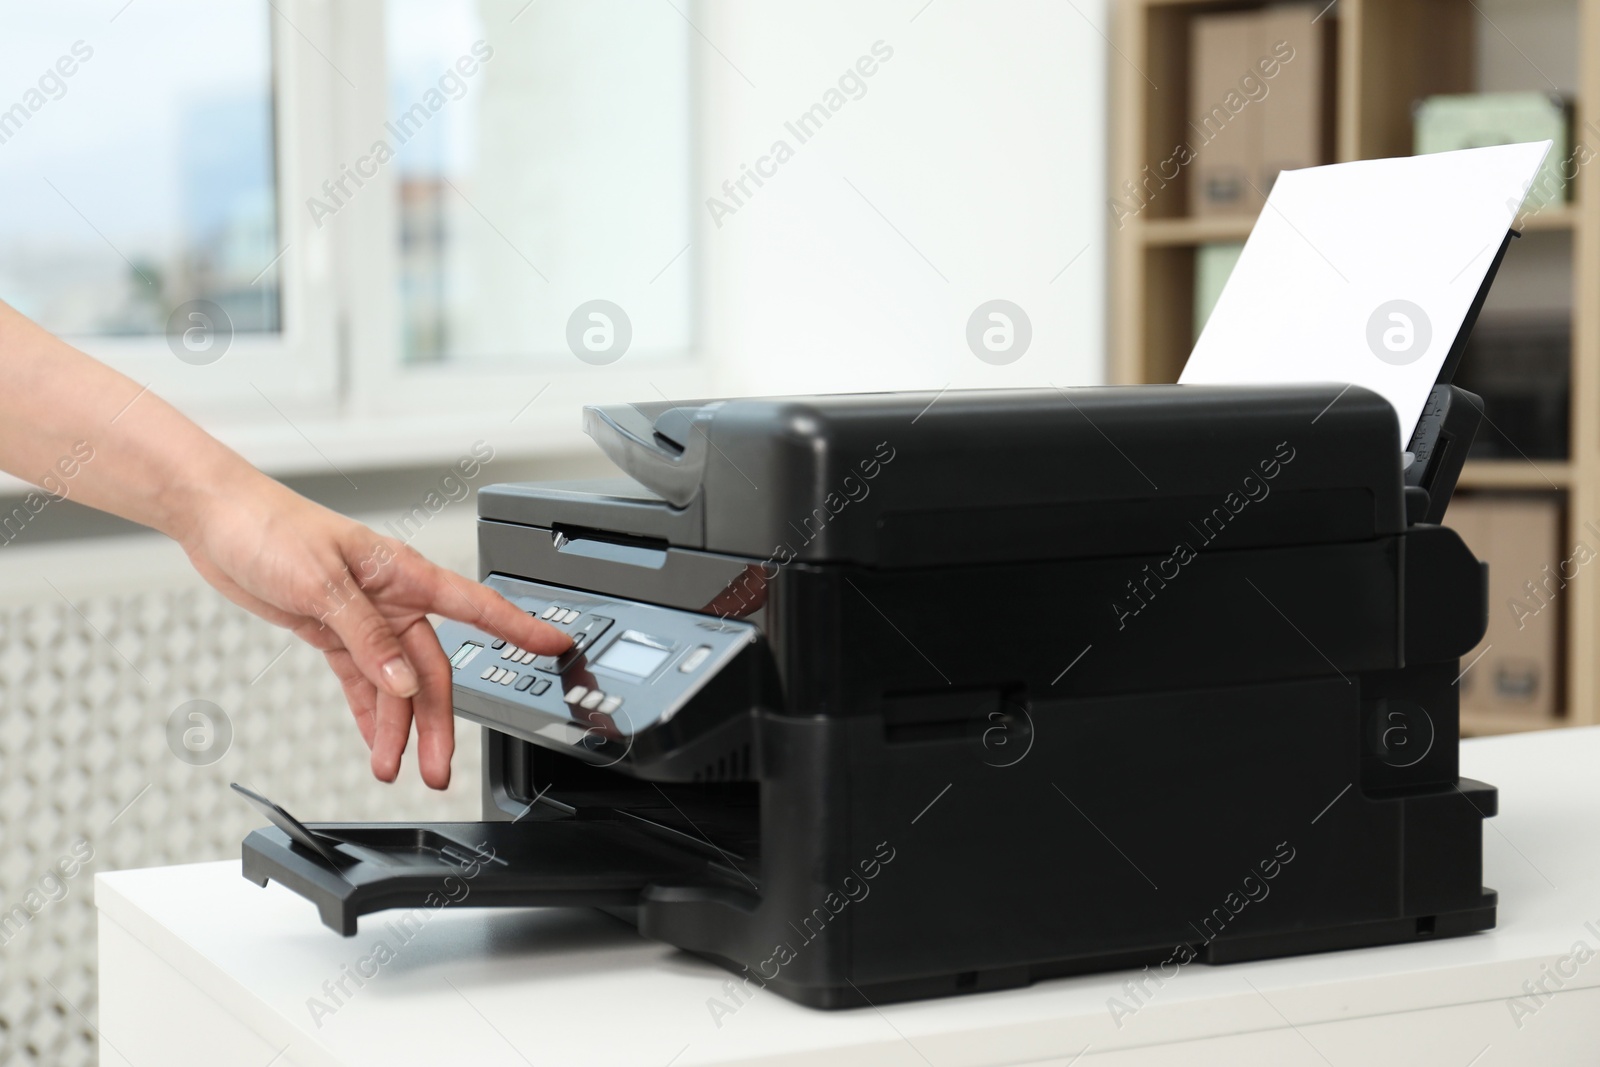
<point x="1478" y="120"/>
<point x="1213" y="265"/>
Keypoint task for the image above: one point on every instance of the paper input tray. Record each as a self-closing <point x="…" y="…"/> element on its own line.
<point x="350" y="869"/>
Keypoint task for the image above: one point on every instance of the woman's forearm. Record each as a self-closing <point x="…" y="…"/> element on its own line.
<point x="81" y="430"/>
<point x="78" y="429"/>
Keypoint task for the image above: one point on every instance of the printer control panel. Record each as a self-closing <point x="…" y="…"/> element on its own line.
<point x="632" y="667"/>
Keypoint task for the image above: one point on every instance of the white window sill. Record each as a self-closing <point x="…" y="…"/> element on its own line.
<point x="434" y="419"/>
<point x="347" y="446"/>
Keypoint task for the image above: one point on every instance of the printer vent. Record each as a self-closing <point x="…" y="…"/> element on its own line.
<point x="731" y="766"/>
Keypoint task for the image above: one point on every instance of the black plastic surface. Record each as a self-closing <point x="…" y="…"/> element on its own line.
<point x="1439" y="447"/>
<point x="664" y="446"/>
<point x="293" y="828"/>
<point x="901" y="479"/>
<point x="377" y="866"/>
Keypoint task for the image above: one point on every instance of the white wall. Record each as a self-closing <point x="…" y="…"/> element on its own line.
<point x="982" y="141"/>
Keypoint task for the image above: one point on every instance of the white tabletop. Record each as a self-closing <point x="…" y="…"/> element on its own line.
<point x="501" y="986"/>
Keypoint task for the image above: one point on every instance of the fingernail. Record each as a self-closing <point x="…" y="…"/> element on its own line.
<point x="401" y="678"/>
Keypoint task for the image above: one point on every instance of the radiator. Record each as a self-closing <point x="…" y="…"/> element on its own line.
<point x="101" y="641"/>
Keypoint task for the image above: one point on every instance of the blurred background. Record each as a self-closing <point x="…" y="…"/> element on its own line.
<point x="390" y="211"/>
<point x="360" y="240"/>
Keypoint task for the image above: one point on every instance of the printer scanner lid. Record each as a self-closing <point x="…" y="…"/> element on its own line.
<point x="911" y="479"/>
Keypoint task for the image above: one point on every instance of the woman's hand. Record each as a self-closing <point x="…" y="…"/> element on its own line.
<point x="361" y="598"/>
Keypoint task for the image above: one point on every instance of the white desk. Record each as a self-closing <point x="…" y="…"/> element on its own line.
<point x="198" y="966"/>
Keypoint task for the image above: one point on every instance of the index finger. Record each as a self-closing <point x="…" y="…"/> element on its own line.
<point x="456" y="598"/>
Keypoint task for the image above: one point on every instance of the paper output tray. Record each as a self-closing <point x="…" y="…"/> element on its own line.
<point x="350" y="869"/>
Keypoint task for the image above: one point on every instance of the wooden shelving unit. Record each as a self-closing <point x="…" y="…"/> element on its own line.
<point x="1390" y="53"/>
<point x="1512" y="474"/>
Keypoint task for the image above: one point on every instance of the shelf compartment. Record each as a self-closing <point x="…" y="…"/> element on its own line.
<point x="1183" y="232"/>
<point x="1548" y="475"/>
<point x="1493" y="723"/>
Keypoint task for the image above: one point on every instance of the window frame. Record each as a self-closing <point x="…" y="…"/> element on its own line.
<point x="381" y="385"/>
<point x="331" y="389"/>
<point x="297" y="367"/>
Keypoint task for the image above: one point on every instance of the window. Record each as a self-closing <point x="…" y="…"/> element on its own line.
<point x="543" y="167"/>
<point x="122" y="205"/>
<point x="403" y="210"/>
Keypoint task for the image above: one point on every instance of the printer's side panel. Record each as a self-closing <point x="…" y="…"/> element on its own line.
<point x="1131" y="825"/>
<point x="1157" y="815"/>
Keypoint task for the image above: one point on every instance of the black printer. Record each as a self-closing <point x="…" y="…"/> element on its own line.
<point x="889" y="696"/>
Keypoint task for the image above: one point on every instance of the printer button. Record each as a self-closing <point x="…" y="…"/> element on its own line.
<point x="575" y="694"/>
<point x="508" y="677"/>
<point x="610" y="704"/>
<point x="539" y="685"/>
<point x="499" y="644"/>
<point x="488" y="672"/>
<point x="524" y="682"/>
<point x="571" y="613"/>
<point x="695" y="657"/>
<point x="551" y="611"/>
<point x="592" y="700"/>
<point x="582" y="640"/>
<point x="499" y="672"/>
<point x="590" y="631"/>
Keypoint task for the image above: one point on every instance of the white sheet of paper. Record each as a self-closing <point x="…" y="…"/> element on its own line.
<point x="1363" y="272"/>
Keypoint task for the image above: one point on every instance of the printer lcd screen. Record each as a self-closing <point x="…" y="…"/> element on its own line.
<point x="631" y="655"/>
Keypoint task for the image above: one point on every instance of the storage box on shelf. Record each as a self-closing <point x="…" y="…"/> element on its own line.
<point x="1512" y="679"/>
<point x="1386" y="55"/>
